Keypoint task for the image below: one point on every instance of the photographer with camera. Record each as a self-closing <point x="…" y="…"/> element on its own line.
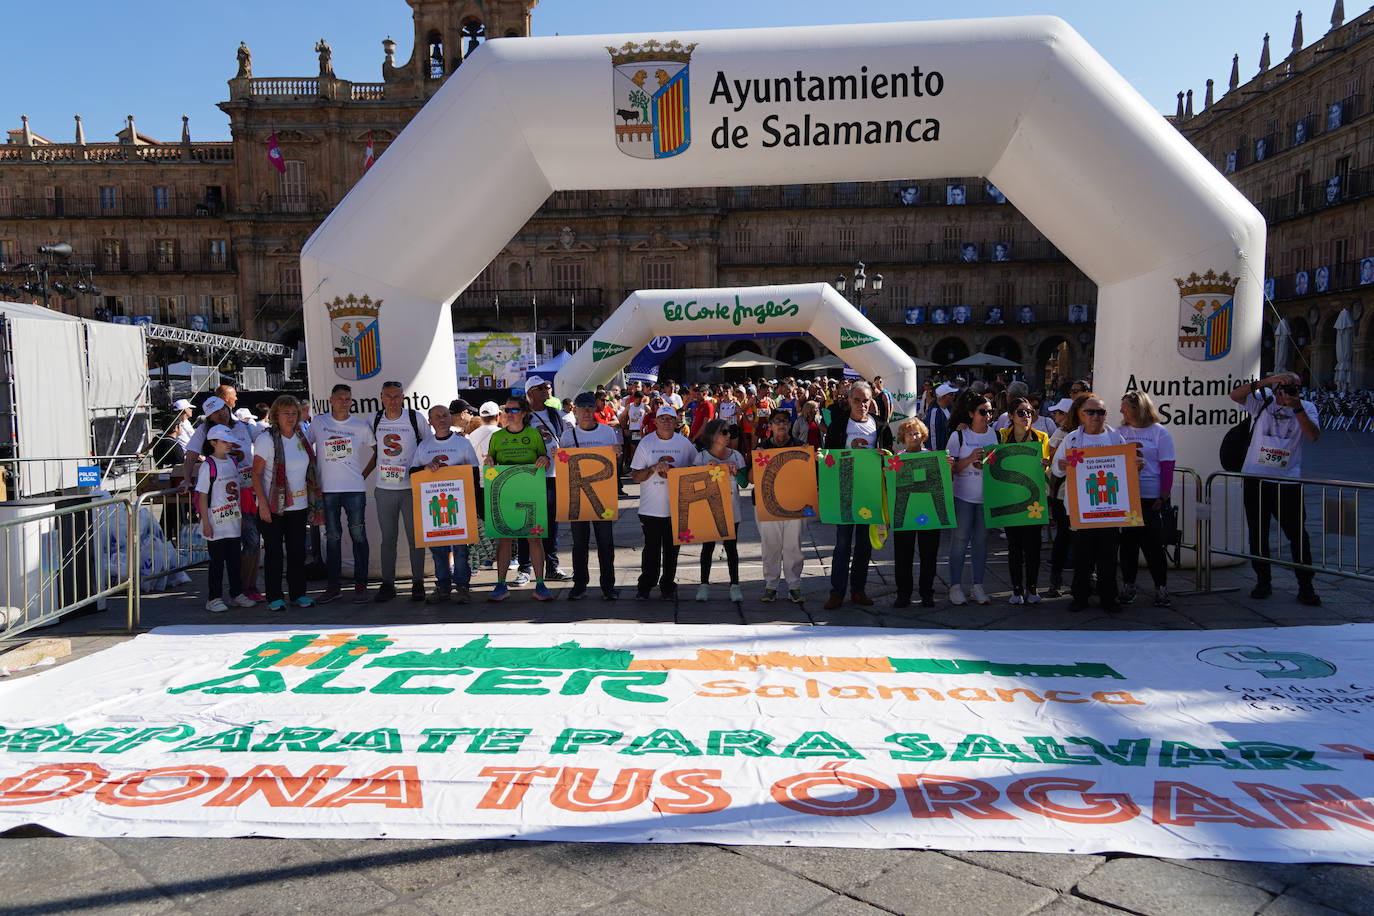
<point x="1282" y="423"/>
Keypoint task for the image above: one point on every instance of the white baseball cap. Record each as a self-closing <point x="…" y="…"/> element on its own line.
<point x="945" y="389"/>
<point x="489" y="409"/>
<point x="181" y="404"/>
<point x="1063" y="406"/>
<point x="666" y="411"/>
<point x="243" y="413"/>
<point x="212" y="404"/>
<point x="534" y="381"/>
<point x="222" y="433"/>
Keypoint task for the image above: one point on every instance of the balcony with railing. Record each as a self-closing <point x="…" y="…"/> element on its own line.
<point x="50" y="153"/>
<point x="1007" y="316"/>
<point x="118" y="206"/>
<point x="154" y="262"/>
<point x="848" y="194"/>
<point x="495" y="302"/>
<point x="931" y="252"/>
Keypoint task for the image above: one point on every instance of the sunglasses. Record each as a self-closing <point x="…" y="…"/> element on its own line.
<point x="513" y="410"/>
<point x="392" y="385"/>
<point x="1024" y="413"/>
<point x="1095" y="411"/>
<point x="986" y="412"/>
<point x="1290" y="390"/>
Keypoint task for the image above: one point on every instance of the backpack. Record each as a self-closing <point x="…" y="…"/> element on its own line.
<point x="1236" y="443"/>
<point x="410" y="412"/>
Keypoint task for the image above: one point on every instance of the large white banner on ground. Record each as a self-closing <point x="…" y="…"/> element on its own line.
<point x="1246" y="744"/>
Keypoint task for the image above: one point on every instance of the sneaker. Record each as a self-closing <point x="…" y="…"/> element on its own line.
<point x="1263" y="590"/>
<point x="704" y="592"/>
<point x="736" y="593"/>
<point x="1127" y="593"/>
<point x="461" y="594"/>
<point x="257" y="596"/>
<point x="417" y="593"/>
<point x="216" y="606"/>
<point x="385" y="593"/>
<point x="796" y="595"/>
<point x="542" y="593"/>
<point x="438" y="596"/>
<point x="360" y="594"/>
<point x="304" y="601"/>
<point x="956" y="595"/>
<point x="557" y="574"/>
<point x="243" y="601"/>
<point x="1307" y="596"/>
<point x="610" y="594"/>
<point x="1053" y="592"/>
<point x="769" y="595"/>
<point x="1032" y="597"/>
<point x="577" y="593"/>
<point x="978" y="595"/>
<point x="521" y="578"/>
<point x="669" y="593"/>
<point x="835" y="600"/>
<point x="276" y="605"/>
<point x="1162" y="598"/>
<point x="927" y="601"/>
<point x="1016" y="599"/>
<point x="861" y="599"/>
<point x="331" y="593"/>
<point x="500" y="593"/>
<point x="641" y="595"/>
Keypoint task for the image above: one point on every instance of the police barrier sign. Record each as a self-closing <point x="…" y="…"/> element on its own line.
<point x="1247" y="744"/>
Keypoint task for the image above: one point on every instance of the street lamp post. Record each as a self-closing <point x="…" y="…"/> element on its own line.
<point x="860" y="281"/>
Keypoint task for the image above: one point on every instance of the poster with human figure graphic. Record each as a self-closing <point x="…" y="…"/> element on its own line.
<point x="445" y="503"/>
<point x="1103" y="487"/>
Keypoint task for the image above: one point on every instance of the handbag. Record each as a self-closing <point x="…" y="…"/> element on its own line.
<point x="1168" y="522"/>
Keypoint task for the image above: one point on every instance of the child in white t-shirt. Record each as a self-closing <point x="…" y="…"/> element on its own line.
<point x="715" y="439"/>
<point x="217" y="501"/>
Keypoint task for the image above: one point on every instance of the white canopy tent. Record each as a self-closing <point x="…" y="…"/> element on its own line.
<point x="1024" y="102"/>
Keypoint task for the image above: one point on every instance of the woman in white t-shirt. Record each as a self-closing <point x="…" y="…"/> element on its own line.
<point x="853" y="426"/>
<point x="971" y="419"/>
<point x="714" y="445"/>
<point x="284" y="480"/>
<point x="1140" y="424"/>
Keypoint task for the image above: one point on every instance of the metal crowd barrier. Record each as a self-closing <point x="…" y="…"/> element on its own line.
<point x="62" y="559"/>
<point x="1192" y="512"/>
<point x="1333" y="504"/>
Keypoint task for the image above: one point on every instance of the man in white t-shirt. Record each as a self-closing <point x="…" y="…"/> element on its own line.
<point x="1282" y="423"/>
<point x="656" y="456"/>
<point x="398" y="430"/>
<point x="345" y="451"/>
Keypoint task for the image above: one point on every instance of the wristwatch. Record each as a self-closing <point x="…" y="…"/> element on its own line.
<point x="1299" y="410"/>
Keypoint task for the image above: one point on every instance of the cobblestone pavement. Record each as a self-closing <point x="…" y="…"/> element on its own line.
<point x="43" y="873"/>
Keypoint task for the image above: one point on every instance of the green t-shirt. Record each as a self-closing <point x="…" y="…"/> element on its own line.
<point x="524" y="447"/>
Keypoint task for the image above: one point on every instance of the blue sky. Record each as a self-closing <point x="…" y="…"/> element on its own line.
<point x="160" y="59"/>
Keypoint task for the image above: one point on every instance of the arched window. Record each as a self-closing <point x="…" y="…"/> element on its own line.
<point x="436" y="55"/>
<point x="475" y="33"/>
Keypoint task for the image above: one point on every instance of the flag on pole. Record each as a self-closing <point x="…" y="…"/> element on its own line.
<point x="369" y="157"/>
<point x="274" y="153"/>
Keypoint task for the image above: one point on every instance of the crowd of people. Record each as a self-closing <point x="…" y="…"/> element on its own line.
<point x="265" y="485"/>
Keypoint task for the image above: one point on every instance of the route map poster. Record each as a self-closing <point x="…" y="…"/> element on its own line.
<point x="493" y="360"/>
<point x="1242" y="744"/>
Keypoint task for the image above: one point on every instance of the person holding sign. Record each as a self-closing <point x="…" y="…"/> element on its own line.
<point x="851" y="427"/>
<point x="1023" y="541"/>
<point x="341" y="440"/>
<point x="716" y="451"/>
<point x="656" y="456"/>
<point x="589" y="432"/>
<point x="284" y="478"/>
<point x="1094" y="549"/>
<point x="968" y="444"/>
<point x="1065" y="413"/>
<point x="1283" y="421"/>
<point x="517" y="443"/>
<point x="217" y="501"/>
<point x="398" y="429"/>
<point x="780" y="541"/>
<point x="1140" y="425"/>
<point x="915" y="437"/>
<point x="445" y="449"/>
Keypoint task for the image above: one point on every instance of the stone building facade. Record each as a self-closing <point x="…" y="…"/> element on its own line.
<point x="215" y="229"/>
<point x="1298" y="140"/>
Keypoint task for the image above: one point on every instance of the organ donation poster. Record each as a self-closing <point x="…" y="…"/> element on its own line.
<point x="445" y="506"/>
<point x="1103" y="487"/>
<point x="1245" y="744"/>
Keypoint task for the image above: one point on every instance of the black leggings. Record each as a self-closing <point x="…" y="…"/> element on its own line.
<point x="1149" y="538"/>
<point x="225" y="556"/>
<point x="1023" y="556"/>
<point x="904" y="548"/>
<point x="731" y="558"/>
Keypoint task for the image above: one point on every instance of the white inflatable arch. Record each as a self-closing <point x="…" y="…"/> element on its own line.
<point x="803" y="308"/>
<point x="1175" y="250"/>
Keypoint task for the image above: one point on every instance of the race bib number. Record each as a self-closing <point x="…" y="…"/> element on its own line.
<point x="392" y="474"/>
<point x="1274" y="457"/>
<point x="338" y="448"/>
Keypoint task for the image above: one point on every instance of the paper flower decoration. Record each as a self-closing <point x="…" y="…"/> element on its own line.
<point x="1074" y="457"/>
<point x="1133" y="520"/>
<point x="490" y="474"/>
<point x="685" y="536"/>
<point x="563" y="455"/>
<point x="989" y="456"/>
<point x="537" y="531"/>
<point x="716" y="472"/>
<point x="922" y="519"/>
<point x="809" y="512"/>
<point x="608" y="514"/>
<point x="894" y="463"/>
<point x="865" y="514"/>
<point x="1035" y="510"/>
<point x="762" y="459"/>
<point x="830" y="461"/>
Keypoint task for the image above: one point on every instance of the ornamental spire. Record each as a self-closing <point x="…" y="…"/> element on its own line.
<point x="1297" y="33"/>
<point x="1235" y="73"/>
<point x="1264" y="54"/>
